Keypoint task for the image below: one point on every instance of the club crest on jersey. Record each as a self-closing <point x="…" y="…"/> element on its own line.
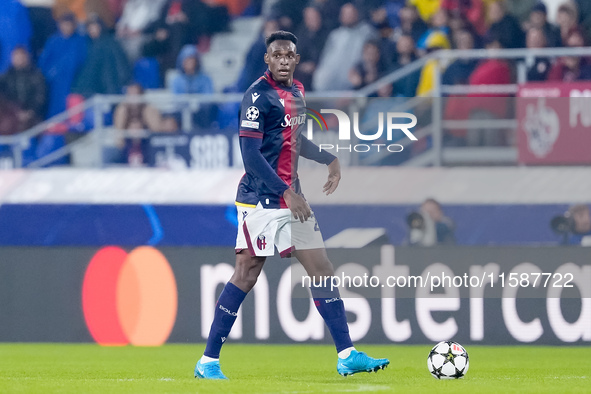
<point x="252" y="113"/>
<point x="261" y="242"/>
<point x="282" y="101"/>
<point x="255" y="97"/>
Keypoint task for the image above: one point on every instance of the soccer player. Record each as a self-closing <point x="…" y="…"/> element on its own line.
<point x="272" y="210"/>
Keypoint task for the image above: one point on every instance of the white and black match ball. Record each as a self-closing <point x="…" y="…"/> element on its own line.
<point x="448" y="360"/>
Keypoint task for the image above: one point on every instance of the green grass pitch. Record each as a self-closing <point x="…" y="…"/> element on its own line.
<point x="65" y="368"/>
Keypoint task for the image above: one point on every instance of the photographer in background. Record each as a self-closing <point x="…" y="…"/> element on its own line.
<point x="429" y="226"/>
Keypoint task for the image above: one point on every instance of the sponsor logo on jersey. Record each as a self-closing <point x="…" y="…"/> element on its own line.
<point x="295" y="121"/>
<point x="255" y="97"/>
<point x="249" y="124"/>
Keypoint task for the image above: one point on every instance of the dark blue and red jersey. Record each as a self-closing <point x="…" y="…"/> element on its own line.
<point x="275" y="114"/>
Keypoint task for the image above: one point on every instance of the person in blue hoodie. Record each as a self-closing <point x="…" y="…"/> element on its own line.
<point x="61" y="61"/>
<point x="191" y="80"/>
<point x="15" y="30"/>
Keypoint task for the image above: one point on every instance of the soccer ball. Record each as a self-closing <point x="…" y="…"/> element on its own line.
<point x="448" y="360"/>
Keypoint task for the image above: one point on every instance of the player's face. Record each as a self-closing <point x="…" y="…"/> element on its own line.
<point x="281" y="57"/>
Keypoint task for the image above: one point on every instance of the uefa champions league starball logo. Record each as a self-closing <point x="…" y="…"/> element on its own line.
<point x="252" y="113"/>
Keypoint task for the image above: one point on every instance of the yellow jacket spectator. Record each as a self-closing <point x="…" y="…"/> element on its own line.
<point x="437" y="40"/>
<point x="426" y="8"/>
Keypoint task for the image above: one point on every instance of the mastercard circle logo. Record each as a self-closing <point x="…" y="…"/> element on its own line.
<point x="129" y="298"/>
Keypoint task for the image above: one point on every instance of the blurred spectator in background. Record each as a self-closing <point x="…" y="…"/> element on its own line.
<point x="472" y="11"/>
<point x="538" y="18"/>
<point x="169" y="124"/>
<point x="15" y="30"/>
<point x="505" y="26"/>
<point x="157" y="57"/>
<point x="460" y="70"/>
<point x="537" y="68"/>
<point x="584" y="7"/>
<point x="411" y="23"/>
<point x="379" y="19"/>
<point x="137" y="114"/>
<point x="188" y="20"/>
<point x="24" y="85"/>
<point x="438" y="24"/>
<point x="106" y="69"/>
<point x="288" y="13"/>
<point x="42" y="22"/>
<point x="430" y="226"/>
<point x="343" y="49"/>
<point x="9" y="122"/>
<point x="406" y="53"/>
<point x="520" y="9"/>
<point x="371" y="67"/>
<point x="426" y="8"/>
<point x="61" y="61"/>
<point x="329" y="9"/>
<point x="190" y="78"/>
<point x="486" y="107"/>
<point x="581" y="225"/>
<point x="254" y="63"/>
<point x="108" y="10"/>
<point x="435" y="42"/>
<point x="136" y="19"/>
<point x="312" y="36"/>
<point x="570" y="68"/>
<point x="567" y="19"/>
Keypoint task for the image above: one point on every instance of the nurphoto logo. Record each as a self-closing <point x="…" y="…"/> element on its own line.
<point x="393" y="121"/>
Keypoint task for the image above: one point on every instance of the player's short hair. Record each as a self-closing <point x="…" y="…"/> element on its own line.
<point x="281" y="35"/>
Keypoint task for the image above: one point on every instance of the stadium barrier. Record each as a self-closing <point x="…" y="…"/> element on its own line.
<point x="146" y="296"/>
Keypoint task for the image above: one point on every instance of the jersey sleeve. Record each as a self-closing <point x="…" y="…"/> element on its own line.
<point x="252" y="114"/>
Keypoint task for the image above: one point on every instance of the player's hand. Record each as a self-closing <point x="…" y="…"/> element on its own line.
<point x="334" y="177"/>
<point x="298" y="206"/>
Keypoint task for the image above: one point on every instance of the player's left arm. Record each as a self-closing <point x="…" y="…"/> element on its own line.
<point x="311" y="151"/>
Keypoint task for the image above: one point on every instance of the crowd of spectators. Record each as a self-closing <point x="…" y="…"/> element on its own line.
<point x="54" y="52"/>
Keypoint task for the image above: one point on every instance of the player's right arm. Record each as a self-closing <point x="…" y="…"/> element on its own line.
<point x="252" y="124"/>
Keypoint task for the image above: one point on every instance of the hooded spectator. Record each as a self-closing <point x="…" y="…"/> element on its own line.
<point x="311" y="38"/>
<point x="106" y="70"/>
<point x="342" y="51"/>
<point x="15" y="30"/>
<point x="61" y="60"/>
<point x="288" y="13"/>
<point x="190" y="78"/>
<point x="505" y="27"/>
<point x="24" y="85"/>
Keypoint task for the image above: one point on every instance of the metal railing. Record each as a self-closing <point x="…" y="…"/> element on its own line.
<point x="438" y="155"/>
